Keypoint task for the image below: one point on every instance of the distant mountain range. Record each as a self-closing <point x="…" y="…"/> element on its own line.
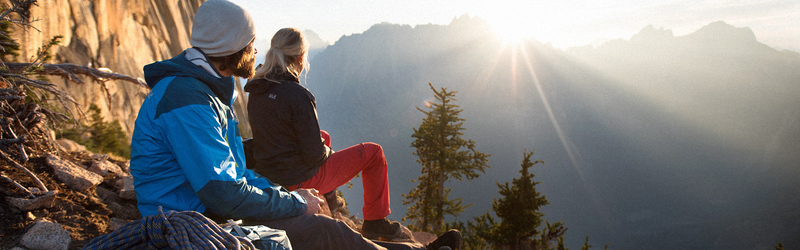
<point x="656" y="142"/>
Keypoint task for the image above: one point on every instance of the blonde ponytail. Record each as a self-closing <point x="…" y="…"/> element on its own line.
<point x="287" y="54"/>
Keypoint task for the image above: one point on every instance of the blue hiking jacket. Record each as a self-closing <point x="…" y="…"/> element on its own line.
<point x="186" y="151"/>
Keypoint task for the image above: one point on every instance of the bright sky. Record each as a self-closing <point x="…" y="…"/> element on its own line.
<point x="562" y="23"/>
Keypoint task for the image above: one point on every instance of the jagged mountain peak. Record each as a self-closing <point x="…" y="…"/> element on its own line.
<point x="650" y="33"/>
<point x="314" y="41"/>
<point x="716" y="36"/>
<point x="466" y="19"/>
<point x="721" y="32"/>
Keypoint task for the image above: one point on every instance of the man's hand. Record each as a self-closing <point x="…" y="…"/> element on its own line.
<point x="312" y="199"/>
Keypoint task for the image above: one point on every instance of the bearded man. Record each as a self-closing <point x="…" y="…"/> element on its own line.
<point x="186" y="151"/>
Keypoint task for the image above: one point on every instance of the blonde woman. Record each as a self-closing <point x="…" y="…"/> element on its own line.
<point x="290" y="149"/>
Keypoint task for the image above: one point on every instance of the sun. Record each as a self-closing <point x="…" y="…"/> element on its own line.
<point x="509" y="34"/>
<point x="509" y="29"/>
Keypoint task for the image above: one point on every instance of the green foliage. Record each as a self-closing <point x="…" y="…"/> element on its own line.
<point x="44" y="51"/>
<point x="10" y="46"/>
<point x="26" y="85"/>
<point x="520" y="217"/>
<point x="443" y="155"/>
<point x="560" y="244"/>
<point x="40" y="92"/>
<point x="344" y="209"/>
<point x="586" y="245"/>
<point x="100" y="136"/>
<point x="519" y="207"/>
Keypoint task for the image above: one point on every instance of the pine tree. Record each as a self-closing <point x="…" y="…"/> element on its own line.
<point x="443" y="155"/>
<point x="520" y="216"/>
<point x="10" y="46"/>
<point x="586" y="245"/>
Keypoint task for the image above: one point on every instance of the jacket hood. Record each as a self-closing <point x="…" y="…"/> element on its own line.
<point x="262" y="85"/>
<point x="257" y="86"/>
<point x="179" y="66"/>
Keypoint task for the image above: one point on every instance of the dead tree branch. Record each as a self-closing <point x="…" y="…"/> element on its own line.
<point x="24" y="169"/>
<point x="21" y="8"/>
<point x="12" y="141"/>
<point x="20" y="186"/>
<point x="62" y="96"/>
<point x="70" y="72"/>
<point x="16" y="8"/>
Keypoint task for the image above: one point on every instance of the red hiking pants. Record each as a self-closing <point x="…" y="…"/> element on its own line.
<point x="366" y="158"/>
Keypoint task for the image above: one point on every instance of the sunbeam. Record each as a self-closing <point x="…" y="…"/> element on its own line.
<point x="547" y="107"/>
<point x="563" y="137"/>
<point x="514" y="71"/>
<point x="487" y="74"/>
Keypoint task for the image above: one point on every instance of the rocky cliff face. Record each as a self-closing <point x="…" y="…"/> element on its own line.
<point x="122" y="36"/>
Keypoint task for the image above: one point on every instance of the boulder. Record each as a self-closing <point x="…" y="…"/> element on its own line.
<point x="46" y="235"/>
<point x="73" y="175"/>
<point x="70" y="145"/>
<point x="25" y="204"/>
<point x="126" y="167"/>
<point x="127" y="191"/>
<point x="124" y="211"/>
<point x="116" y="223"/>
<point x="106" y="195"/>
<point x="103" y="167"/>
<point x="99" y="157"/>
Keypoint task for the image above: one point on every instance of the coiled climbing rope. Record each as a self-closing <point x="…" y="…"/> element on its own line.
<point x="176" y="230"/>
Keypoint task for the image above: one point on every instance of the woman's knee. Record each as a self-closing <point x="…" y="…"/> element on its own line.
<point x="373" y="147"/>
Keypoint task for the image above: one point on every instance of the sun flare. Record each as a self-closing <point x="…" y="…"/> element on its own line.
<point x="509" y="33"/>
<point x="510" y="29"/>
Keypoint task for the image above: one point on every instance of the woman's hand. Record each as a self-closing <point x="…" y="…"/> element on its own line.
<point x="312" y="199"/>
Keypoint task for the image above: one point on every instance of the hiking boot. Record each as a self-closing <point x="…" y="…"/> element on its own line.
<point x="450" y="240"/>
<point x="383" y="229"/>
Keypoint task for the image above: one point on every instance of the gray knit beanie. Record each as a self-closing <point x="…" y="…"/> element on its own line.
<point x="222" y="28"/>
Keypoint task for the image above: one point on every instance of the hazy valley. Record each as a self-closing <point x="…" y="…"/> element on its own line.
<point x="656" y="142"/>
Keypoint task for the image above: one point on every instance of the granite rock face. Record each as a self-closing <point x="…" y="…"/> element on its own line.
<point x="122" y="36"/>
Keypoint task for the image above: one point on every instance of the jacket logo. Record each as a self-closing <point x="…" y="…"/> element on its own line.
<point x="272" y="96"/>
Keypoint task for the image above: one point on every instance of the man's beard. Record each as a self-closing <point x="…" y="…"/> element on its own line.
<point x="245" y="68"/>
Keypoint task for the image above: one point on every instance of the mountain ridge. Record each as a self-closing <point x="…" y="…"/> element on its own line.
<point x="607" y="174"/>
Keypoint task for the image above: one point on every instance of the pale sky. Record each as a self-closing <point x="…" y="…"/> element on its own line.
<point x="562" y="23"/>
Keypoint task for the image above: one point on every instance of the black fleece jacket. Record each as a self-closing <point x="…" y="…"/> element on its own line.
<point x="287" y="147"/>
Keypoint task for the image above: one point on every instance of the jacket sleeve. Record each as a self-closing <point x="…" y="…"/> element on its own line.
<point x="204" y="155"/>
<point x="306" y="125"/>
